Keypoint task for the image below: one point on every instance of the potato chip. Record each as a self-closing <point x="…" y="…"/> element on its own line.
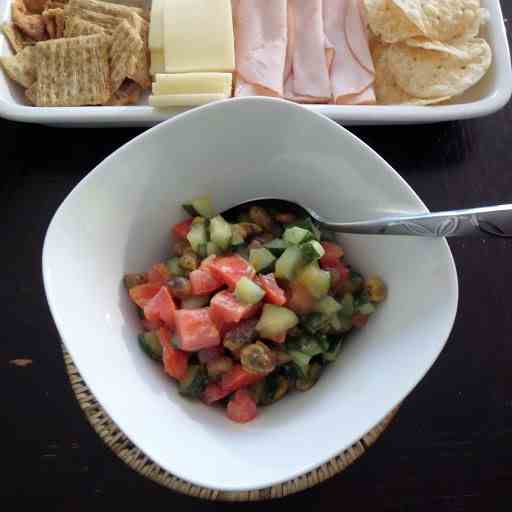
<point x="31" y="25"/>
<point x="107" y="8"/>
<point x="56" y="17"/>
<point x="17" y="39"/>
<point x="73" y="72"/>
<point x="431" y="74"/>
<point x="30" y="93"/>
<point x="387" y="90"/>
<point x="126" y="43"/>
<point x="127" y="94"/>
<point x="105" y="21"/>
<point x="76" y="26"/>
<point x="389" y="22"/>
<point x="21" y="67"/>
<point x="142" y="58"/>
<point x="440" y="20"/>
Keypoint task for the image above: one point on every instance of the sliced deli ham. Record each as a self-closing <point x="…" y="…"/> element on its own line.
<point x="349" y="77"/>
<point x="308" y="79"/>
<point x="260" y="46"/>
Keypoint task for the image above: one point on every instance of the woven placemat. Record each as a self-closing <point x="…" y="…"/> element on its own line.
<point x="137" y="460"/>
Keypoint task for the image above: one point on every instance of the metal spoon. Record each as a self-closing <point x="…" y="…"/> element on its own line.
<point x="486" y="222"/>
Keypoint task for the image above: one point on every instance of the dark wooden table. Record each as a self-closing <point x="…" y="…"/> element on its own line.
<point x="450" y="447"/>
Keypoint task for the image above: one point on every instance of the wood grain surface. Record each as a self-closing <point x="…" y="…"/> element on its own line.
<point x="450" y="447"/>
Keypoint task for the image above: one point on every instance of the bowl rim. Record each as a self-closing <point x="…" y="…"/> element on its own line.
<point x="99" y="168"/>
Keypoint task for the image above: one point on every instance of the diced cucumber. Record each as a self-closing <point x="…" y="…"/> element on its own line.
<point x="297" y="235"/>
<point x="301" y="362"/>
<point x="362" y="303"/>
<point x="261" y="258"/>
<point x="312" y="251"/>
<point x="344" y="323"/>
<point x="275" y="320"/>
<point x="198" y="236"/>
<point x="316" y="323"/>
<point x="150" y="344"/>
<point x="306" y="383"/>
<point x="248" y="292"/>
<point x="220" y="232"/>
<point x="323" y="341"/>
<point x="212" y="248"/>
<point x="347" y="305"/>
<point x="195" y="302"/>
<point x="327" y="306"/>
<point x="308" y="224"/>
<point x="289" y="263"/>
<point x="199" y="207"/>
<point x="316" y="280"/>
<point x="366" y="309"/>
<point x="174" y="267"/>
<point x="334" y="350"/>
<point x="305" y="344"/>
<point x="195" y="381"/>
<point x="277" y="246"/>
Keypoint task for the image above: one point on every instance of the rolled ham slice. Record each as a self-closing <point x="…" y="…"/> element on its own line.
<point x="310" y="75"/>
<point x="352" y="73"/>
<point x="260" y="46"/>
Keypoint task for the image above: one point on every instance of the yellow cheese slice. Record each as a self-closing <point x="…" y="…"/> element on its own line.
<point x="157" y="62"/>
<point x="156" y="26"/>
<point x="193" y="83"/>
<point x="183" y="100"/>
<point x="198" y="36"/>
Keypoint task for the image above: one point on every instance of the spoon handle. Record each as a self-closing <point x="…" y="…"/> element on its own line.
<point x="487" y="222"/>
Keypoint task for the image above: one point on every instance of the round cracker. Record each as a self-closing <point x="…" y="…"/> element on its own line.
<point x="387" y="90"/>
<point x="431" y="74"/>
<point x="388" y="22"/>
<point x="441" y="20"/>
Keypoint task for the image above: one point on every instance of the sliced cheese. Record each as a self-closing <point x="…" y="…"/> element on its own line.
<point x="198" y="36"/>
<point x="183" y="100"/>
<point x="156" y="26"/>
<point x="193" y="83"/>
<point x="157" y="62"/>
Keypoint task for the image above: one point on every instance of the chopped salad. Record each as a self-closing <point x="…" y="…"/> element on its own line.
<point x="250" y="308"/>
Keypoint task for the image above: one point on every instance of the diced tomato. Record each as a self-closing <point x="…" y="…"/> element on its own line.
<point x="195" y="329"/>
<point x="273" y="293"/>
<point x="333" y="253"/>
<point x="143" y="293"/>
<point x="151" y="325"/>
<point x="207" y="262"/>
<point x="175" y="361"/>
<point x="161" y="307"/>
<point x="213" y="392"/>
<point x="225" y="308"/>
<point x="181" y="229"/>
<point x="339" y="274"/>
<point x="359" y="320"/>
<point x="210" y="354"/>
<point x="203" y="282"/>
<point x="229" y="269"/>
<point x="299" y="299"/>
<point x="237" y="378"/>
<point x="281" y="338"/>
<point x="242" y="407"/>
<point x="158" y="274"/>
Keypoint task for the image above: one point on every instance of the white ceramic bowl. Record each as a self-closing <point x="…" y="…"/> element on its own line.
<point x="490" y="95"/>
<point x="118" y="219"/>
